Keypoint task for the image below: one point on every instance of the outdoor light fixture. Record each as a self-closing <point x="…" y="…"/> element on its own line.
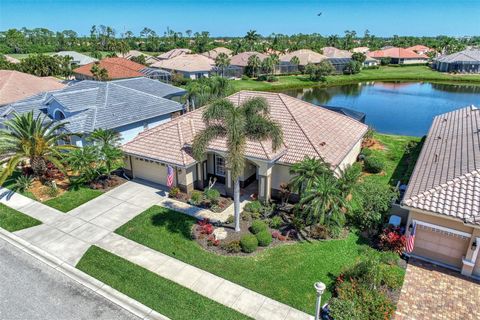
<point x="474" y="245"/>
<point x="320" y="289"/>
<point x="410" y="227"/>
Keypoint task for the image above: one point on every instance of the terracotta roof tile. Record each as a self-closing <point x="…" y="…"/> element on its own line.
<point x="398" y="53"/>
<point x="186" y="63"/>
<point x="117" y="68"/>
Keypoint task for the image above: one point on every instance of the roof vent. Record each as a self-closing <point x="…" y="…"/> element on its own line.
<point x="439" y="138"/>
<point x="444" y="119"/>
<point x="435" y="159"/>
<point x="322" y="144"/>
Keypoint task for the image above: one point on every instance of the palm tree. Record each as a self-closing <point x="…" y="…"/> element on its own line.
<point x="295" y="61"/>
<point x="254" y="63"/>
<point x="348" y="179"/>
<point x="205" y="90"/>
<point x="275" y="61"/>
<point x="98" y="72"/>
<point x="105" y="137"/>
<point x="83" y="161"/>
<point x="249" y="121"/>
<point x="222" y="61"/>
<point x="251" y="37"/>
<point x="323" y="203"/>
<point x="305" y="172"/>
<point x="33" y="139"/>
<point x="108" y="141"/>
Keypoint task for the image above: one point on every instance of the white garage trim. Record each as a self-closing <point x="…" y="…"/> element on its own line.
<point x="444" y="229"/>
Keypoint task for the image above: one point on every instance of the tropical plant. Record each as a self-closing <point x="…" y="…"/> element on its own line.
<point x="348" y="178"/>
<point x="32" y="139"/>
<point x="222" y="61"/>
<point x="295" y="61"/>
<point x="23" y="183"/>
<point x="352" y="67"/>
<point x="250" y="121"/>
<point x="358" y="56"/>
<point x="98" y="72"/>
<point x="305" y="172"/>
<point x="105" y="137"/>
<point x="205" y="90"/>
<point x="83" y="161"/>
<point x="323" y="203"/>
<point x="318" y="72"/>
<point x="253" y="65"/>
<point x="110" y="155"/>
<point x="251" y="38"/>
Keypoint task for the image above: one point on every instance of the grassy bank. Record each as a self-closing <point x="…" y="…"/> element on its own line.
<point x="412" y="73"/>
<point x="160" y="294"/>
<point x="13" y="220"/>
<point x="285" y="273"/>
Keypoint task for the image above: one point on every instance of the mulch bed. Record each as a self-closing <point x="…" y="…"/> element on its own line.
<point x="223" y="202"/>
<point x="107" y="184"/>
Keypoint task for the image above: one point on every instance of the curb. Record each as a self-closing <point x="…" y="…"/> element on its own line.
<point x="120" y="299"/>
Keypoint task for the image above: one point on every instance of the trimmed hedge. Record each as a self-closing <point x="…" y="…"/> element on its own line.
<point x="373" y="165"/>
<point x="258" y="226"/>
<point x="249" y="243"/>
<point x="264" y="238"/>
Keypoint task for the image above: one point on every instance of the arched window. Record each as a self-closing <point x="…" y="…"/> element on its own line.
<point x="58" y="115"/>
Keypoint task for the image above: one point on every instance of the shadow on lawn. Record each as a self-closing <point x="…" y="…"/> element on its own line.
<point x="405" y="166"/>
<point x="174" y="222"/>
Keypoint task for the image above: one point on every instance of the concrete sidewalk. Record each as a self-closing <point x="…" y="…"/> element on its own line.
<point x="67" y="236"/>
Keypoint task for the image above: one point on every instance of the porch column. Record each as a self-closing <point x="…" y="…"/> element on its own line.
<point x="264" y="183"/>
<point x="472" y="255"/>
<point x="201" y="175"/>
<point x="228" y="183"/>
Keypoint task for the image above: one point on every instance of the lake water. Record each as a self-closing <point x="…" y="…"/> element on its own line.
<point x="405" y="108"/>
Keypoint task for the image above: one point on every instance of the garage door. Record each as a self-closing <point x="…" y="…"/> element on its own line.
<point x="440" y="246"/>
<point x="150" y="171"/>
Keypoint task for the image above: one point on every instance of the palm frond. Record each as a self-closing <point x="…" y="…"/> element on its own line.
<point x="204" y="137"/>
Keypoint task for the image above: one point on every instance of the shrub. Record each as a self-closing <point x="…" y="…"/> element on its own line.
<point x="245" y="77"/>
<point x="212" y="195"/>
<point x="271" y="78"/>
<point x="264" y="238"/>
<point x="23" y="183"/>
<point x="196" y="198"/>
<point x="232" y="246"/>
<point x="205" y="227"/>
<point x="211" y="241"/>
<point x="385" y="61"/>
<point x="318" y="232"/>
<point x="174" y="192"/>
<point x="52" y="189"/>
<point x="276" y="222"/>
<point x="278" y="235"/>
<point x="253" y="206"/>
<point x="392" y="239"/>
<point x="258" y="226"/>
<point x="373" y="165"/>
<point x="342" y="309"/>
<point x="366" y="152"/>
<point x="249" y="243"/>
<point x="230" y="219"/>
<point x="352" y="67"/>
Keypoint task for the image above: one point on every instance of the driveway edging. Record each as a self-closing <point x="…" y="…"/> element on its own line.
<point x="120" y="299"/>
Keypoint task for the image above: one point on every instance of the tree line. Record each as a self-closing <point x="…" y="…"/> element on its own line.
<point x="106" y="38"/>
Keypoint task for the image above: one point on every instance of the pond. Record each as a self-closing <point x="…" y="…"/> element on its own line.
<point x="404" y="108"/>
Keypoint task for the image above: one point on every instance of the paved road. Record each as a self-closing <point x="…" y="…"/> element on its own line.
<point x="30" y="289"/>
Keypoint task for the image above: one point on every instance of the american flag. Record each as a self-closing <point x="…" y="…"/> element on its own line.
<point x="411" y="239"/>
<point x="169" y="176"/>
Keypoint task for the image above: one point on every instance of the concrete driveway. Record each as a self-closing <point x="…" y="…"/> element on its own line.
<point x="432" y="292"/>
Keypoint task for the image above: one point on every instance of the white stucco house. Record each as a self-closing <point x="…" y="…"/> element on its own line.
<point x="128" y="106"/>
<point x="308" y="130"/>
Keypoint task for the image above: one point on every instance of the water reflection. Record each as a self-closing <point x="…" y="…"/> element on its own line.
<point x="405" y="108"/>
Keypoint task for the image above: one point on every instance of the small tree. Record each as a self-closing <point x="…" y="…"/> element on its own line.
<point x="98" y="72"/>
<point x="222" y="61"/>
<point x="305" y="172"/>
<point x="318" y="72"/>
<point x="253" y="64"/>
<point x="352" y="67"/>
<point x="358" y="56"/>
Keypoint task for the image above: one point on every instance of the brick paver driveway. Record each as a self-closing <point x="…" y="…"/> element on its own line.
<point x="431" y="292"/>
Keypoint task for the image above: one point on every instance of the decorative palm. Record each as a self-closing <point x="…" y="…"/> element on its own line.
<point x="33" y="139"/>
<point x="237" y="124"/>
<point x="251" y="38"/>
<point x="323" y="202"/>
<point x="347" y="180"/>
<point x="108" y="142"/>
<point x="254" y="63"/>
<point x="295" y="61"/>
<point x="275" y="60"/>
<point x="306" y="171"/>
<point x="105" y="137"/>
<point x="222" y="61"/>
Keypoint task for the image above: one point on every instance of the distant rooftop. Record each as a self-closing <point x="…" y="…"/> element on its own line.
<point x="78" y="58"/>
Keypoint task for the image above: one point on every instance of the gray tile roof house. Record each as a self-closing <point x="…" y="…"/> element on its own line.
<point x="124" y="105"/>
<point x="466" y="61"/>
<point x="446" y="178"/>
<point x="79" y="59"/>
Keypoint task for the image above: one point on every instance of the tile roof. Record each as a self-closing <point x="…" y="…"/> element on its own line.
<point x="332" y="52"/>
<point x="78" y="58"/>
<point x="398" y="53"/>
<point x="213" y="54"/>
<point x="117" y="68"/>
<point x="363" y="50"/>
<point x="107" y="105"/>
<point x="11" y="59"/>
<point x="173" y="53"/>
<point x="471" y="55"/>
<point x="135" y="53"/>
<point x="420" y="47"/>
<point x="186" y="63"/>
<point x="446" y="178"/>
<point x="305" y="56"/>
<point x="308" y="130"/>
<point x="15" y="85"/>
<point x="241" y="59"/>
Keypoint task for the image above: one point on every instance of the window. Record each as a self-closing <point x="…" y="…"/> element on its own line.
<point x="220" y="166"/>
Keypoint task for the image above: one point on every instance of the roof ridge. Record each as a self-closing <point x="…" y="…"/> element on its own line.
<point x="143" y="92"/>
<point x="298" y="124"/>
<point x="180" y="136"/>
<point x="442" y="186"/>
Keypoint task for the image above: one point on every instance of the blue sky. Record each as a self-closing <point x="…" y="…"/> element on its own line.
<point x="223" y="18"/>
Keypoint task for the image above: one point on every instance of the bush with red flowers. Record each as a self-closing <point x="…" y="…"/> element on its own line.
<point x="205" y="227"/>
<point x="392" y="239"/>
<point x="211" y="241"/>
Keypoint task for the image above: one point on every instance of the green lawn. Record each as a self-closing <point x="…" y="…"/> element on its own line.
<point x="399" y="165"/>
<point x="285" y="273"/>
<point x="409" y="73"/>
<point x="160" y="294"/>
<point x="73" y="198"/>
<point x="12" y="220"/>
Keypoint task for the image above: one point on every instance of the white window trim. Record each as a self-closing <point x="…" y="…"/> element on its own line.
<point x="437" y="227"/>
<point x="224" y="168"/>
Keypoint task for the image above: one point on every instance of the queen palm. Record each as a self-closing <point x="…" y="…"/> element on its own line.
<point x="33" y="139"/>
<point x="254" y="63"/>
<point x="249" y="121"/>
<point x="305" y="172"/>
<point x="222" y="61"/>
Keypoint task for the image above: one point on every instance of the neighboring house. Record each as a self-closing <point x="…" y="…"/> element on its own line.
<point x="15" y="85"/>
<point x="127" y="106"/>
<point x="135" y="53"/>
<point x="443" y="196"/>
<point x="308" y="131"/>
<point x="239" y="62"/>
<point x="11" y="59"/>
<point x="399" y="55"/>
<point x="119" y="68"/>
<point x="213" y="54"/>
<point x="305" y="56"/>
<point x="340" y="58"/>
<point x="466" y="61"/>
<point x="173" y="53"/>
<point x="363" y="50"/>
<point x="191" y="66"/>
<point x="420" y="49"/>
<point x="78" y="59"/>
